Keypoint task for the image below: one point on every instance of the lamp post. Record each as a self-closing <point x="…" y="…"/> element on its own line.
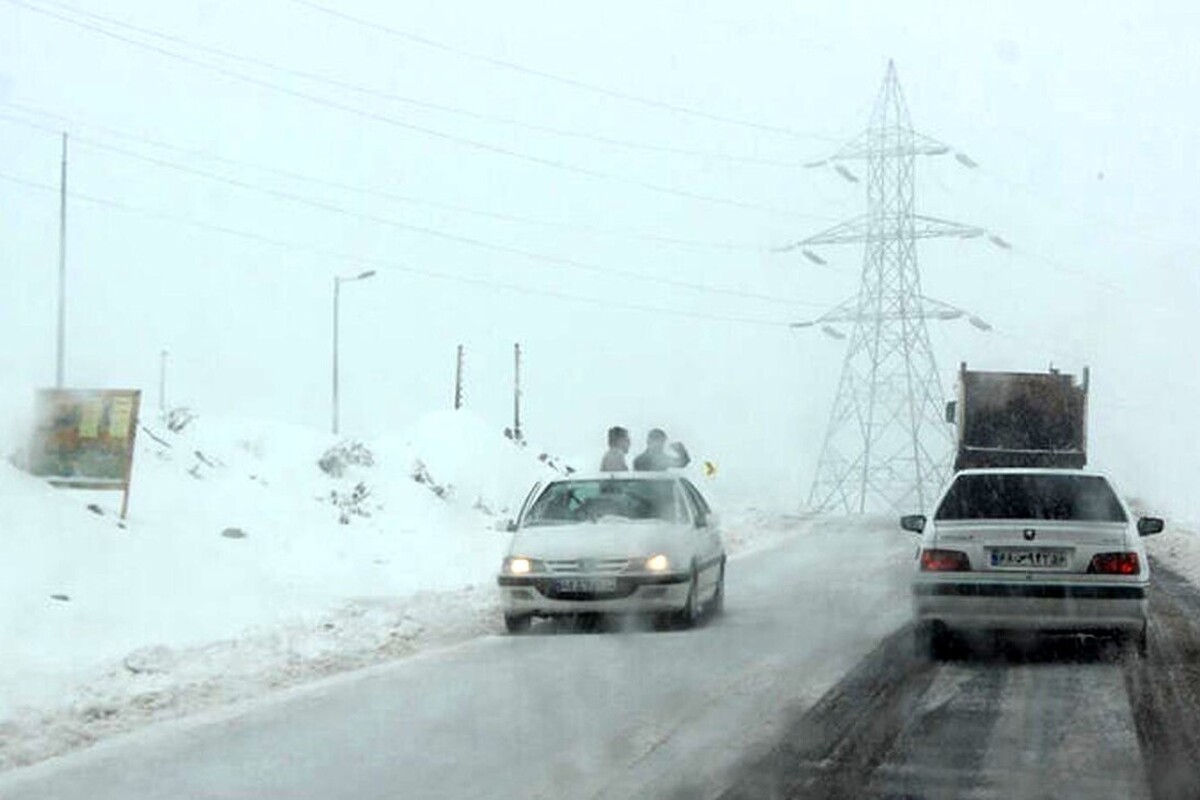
<point x="162" y="383"/>
<point x="337" y="290"/>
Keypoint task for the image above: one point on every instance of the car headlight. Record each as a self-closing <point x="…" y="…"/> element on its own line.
<point x="518" y="565"/>
<point x="658" y="563"/>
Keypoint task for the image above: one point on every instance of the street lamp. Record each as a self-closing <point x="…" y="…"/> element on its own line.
<point x="337" y="290"/>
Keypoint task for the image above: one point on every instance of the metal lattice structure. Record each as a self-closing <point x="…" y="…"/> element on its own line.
<point x="887" y="446"/>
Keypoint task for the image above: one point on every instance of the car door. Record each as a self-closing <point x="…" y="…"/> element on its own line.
<point x="709" y="548"/>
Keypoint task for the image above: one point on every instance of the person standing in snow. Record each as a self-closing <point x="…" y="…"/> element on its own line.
<point x="656" y="458"/>
<point x="618" y="446"/>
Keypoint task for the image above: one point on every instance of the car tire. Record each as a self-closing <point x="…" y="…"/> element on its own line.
<point x="716" y="606"/>
<point x="517" y="623"/>
<point x="933" y="641"/>
<point x="1136" y="643"/>
<point x="687" y="616"/>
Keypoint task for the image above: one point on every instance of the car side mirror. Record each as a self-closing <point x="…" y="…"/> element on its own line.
<point x="701" y="522"/>
<point x="913" y="522"/>
<point x="1148" y="526"/>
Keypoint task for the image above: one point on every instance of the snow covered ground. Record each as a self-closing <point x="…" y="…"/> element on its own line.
<point x="244" y="567"/>
<point x="1179" y="548"/>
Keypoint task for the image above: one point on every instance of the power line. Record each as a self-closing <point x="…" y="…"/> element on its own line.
<point x="389" y="265"/>
<point x="426" y="104"/>
<point x="432" y="132"/>
<point x="383" y="193"/>
<point x="561" y="79"/>
<point x="321" y="205"/>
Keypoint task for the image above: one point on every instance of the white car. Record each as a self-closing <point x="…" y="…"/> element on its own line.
<point x="613" y="543"/>
<point x="1046" y="550"/>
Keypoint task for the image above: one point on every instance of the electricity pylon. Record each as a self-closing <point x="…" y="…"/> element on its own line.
<point x="888" y="445"/>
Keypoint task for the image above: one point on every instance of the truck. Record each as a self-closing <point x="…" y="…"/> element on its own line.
<point x="1020" y="419"/>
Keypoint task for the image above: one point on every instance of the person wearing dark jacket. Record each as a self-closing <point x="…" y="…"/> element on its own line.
<point x="656" y="458"/>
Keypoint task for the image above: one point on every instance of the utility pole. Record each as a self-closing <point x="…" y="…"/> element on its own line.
<point x="517" y="436"/>
<point x="887" y="445"/>
<point x="162" y="383"/>
<point x="62" y="271"/>
<point x="458" y="379"/>
<point x="337" y="290"/>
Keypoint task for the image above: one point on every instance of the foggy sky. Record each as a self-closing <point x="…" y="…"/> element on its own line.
<point x="1080" y="116"/>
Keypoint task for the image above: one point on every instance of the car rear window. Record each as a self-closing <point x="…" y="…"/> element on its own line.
<point x="1085" y="498"/>
<point x="588" y="501"/>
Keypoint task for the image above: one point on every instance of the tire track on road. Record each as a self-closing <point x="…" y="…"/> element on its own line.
<point x="1164" y="689"/>
<point x="832" y="749"/>
<point x="1052" y="718"/>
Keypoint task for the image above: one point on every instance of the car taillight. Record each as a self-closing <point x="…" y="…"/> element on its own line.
<point x="1115" y="564"/>
<point x="944" y="561"/>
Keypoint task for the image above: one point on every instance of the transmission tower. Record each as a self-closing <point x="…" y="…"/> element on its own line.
<point x="887" y="446"/>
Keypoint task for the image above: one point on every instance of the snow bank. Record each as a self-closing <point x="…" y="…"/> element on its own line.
<point x="1178" y="548"/>
<point x="235" y="552"/>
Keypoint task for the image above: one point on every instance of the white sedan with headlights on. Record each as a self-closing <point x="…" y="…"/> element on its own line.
<point x="1043" y="550"/>
<point x="616" y="543"/>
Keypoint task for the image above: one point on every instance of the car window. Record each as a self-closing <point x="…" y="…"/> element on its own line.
<point x="589" y="501"/>
<point x="528" y="499"/>
<point x="700" y="506"/>
<point x="1085" y="498"/>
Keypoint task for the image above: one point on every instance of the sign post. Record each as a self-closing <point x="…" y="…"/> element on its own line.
<point x="84" y="439"/>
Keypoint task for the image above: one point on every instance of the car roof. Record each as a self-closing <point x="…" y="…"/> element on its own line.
<point x="1031" y="471"/>
<point x="657" y="475"/>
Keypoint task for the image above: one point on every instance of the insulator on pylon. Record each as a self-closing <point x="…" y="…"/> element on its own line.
<point x="978" y="323"/>
<point x="831" y="331"/>
<point x="996" y="240"/>
<point x="845" y="173"/>
<point x="813" y="257"/>
<point x="966" y="160"/>
<point x="820" y="163"/>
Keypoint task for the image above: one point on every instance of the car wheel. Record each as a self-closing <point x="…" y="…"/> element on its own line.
<point x="691" y="611"/>
<point x="932" y="640"/>
<point x="1137" y="643"/>
<point x="716" y="606"/>
<point x="517" y="623"/>
<point x="685" y="617"/>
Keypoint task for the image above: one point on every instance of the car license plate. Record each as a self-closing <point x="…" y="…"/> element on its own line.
<point x="1029" y="559"/>
<point x="586" y="585"/>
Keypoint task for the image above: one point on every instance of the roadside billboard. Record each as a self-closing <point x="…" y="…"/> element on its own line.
<point x="83" y="439"/>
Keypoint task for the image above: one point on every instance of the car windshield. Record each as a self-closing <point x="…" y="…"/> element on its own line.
<point x="589" y="501"/>
<point x="1084" y="498"/>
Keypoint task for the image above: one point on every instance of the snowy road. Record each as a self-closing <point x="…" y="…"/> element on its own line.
<point x="543" y="715"/>
<point x="806" y="688"/>
<point x="1052" y="720"/>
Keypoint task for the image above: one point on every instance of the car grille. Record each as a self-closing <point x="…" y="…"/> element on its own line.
<point x="587" y="566"/>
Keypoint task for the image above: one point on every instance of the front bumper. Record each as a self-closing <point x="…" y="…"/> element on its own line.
<point x="538" y="595"/>
<point x="1011" y="605"/>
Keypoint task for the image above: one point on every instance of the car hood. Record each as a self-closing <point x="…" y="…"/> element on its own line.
<point x="598" y="540"/>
